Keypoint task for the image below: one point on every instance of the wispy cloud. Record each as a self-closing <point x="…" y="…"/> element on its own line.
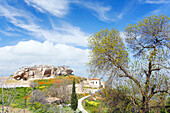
<point x="9" y="33"/>
<point x="19" y="18"/>
<point x="157" y="1"/>
<point x="105" y="12"/>
<point x="58" y="8"/>
<point x="163" y="9"/>
<point x="101" y="11"/>
<point x="120" y="15"/>
<point x="66" y="34"/>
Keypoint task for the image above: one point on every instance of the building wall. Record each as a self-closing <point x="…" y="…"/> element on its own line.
<point x="87" y="83"/>
<point x="95" y="83"/>
<point x="79" y="88"/>
<point x="102" y="84"/>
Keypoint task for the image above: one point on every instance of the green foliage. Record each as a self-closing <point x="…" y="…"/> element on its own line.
<point x="149" y="42"/>
<point x="143" y="36"/>
<point x="21" y="94"/>
<point x="168" y="104"/>
<point x="91" y="106"/>
<point x="117" y="100"/>
<point x="107" y="50"/>
<point x="40" y="108"/>
<point x="92" y="103"/>
<point x="24" y="98"/>
<point x="74" y="101"/>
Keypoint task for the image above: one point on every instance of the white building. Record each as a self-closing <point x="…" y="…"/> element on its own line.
<point x="93" y="83"/>
<point x="103" y="84"/>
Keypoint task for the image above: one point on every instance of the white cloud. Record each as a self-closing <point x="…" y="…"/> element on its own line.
<point x="67" y="34"/>
<point x="99" y="9"/>
<point x="9" y="33"/>
<point x="120" y="15"/>
<point x="163" y="9"/>
<point x="105" y="12"/>
<point x="60" y="8"/>
<point x="157" y="1"/>
<point x="56" y="7"/>
<point x="29" y="53"/>
<point x="19" y="18"/>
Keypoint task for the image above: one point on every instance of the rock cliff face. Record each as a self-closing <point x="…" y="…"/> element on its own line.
<point x="40" y="71"/>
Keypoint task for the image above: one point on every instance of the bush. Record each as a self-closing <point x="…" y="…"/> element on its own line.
<point x="92" y="103"/>
<point x="38" y="96"/>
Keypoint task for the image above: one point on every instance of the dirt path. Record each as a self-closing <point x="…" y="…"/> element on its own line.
<point x="80" y="107"/>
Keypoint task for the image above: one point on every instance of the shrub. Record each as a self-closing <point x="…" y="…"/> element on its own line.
<point x="92" y="103"/>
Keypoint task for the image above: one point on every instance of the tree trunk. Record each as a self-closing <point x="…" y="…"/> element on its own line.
<point x="145" y="105"/>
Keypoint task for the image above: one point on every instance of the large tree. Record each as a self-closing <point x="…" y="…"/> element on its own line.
<point x="149" y="45"/>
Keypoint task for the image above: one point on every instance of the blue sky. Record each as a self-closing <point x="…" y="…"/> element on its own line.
<point x="55" y="32"/>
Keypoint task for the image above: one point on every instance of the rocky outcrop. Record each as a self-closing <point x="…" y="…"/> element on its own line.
<point x="41" y="71"/>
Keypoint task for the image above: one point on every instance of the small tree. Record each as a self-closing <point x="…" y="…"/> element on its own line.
<point x="74" y="101"/>
<point x="7" y="97"/>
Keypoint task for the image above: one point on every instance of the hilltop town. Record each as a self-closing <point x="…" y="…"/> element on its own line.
<point x="24" y="76"/>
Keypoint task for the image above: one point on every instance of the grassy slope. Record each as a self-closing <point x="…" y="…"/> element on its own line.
<point x="22" y="93"/>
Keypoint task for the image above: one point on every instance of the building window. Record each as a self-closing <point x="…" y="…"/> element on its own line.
<point x="92" y="82"/>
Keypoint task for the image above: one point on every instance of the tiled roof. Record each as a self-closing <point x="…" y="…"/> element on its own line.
<point x="103" y="82"/>
<point x="94" y="79"/>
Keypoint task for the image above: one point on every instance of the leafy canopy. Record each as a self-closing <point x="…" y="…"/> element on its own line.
<point x="149" y="42"/>
<point x="149" y="34"/>
<point x="107" y="50"/>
